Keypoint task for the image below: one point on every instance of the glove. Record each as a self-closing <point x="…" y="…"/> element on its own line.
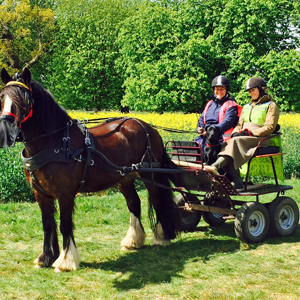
<point x="245" y="132"/>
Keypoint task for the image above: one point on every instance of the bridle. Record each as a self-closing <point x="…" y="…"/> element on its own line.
<point x="28" y="99"/>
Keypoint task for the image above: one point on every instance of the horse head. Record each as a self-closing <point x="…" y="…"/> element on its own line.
<point x="27" y="106"/>
<point x="16" y="105"/>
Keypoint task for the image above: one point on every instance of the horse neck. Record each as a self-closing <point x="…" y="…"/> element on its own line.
<point x="46" y="127"/>
<point x="35" y="143"/>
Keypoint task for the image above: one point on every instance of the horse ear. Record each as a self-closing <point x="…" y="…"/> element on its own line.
<point x="27" y="76"/>
<point x="5" y="77"/>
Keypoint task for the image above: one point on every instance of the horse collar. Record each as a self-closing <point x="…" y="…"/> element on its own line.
<point x="208" y="145"/>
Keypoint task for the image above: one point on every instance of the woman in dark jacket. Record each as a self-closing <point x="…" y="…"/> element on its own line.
<point x="221" y="111"/>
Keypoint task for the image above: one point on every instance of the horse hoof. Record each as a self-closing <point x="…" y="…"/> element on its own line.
<point x="159" y="242"/>
<point x="37" y="266"/>
<point x="57" y="270"/>
<point x="124" y="248"/>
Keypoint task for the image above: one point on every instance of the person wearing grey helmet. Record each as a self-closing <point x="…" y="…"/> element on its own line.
<point x="258" y="119"/>
<point x="220" y="111"/>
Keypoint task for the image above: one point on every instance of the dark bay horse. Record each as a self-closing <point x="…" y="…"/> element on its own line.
<point x="59" y="163"/>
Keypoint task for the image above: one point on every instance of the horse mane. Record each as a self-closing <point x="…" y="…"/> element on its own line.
<point x="47" y="116"/>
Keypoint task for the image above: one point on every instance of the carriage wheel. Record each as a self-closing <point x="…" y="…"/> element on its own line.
<point x="252" y="222"/>
<point x="187" y="220"/>
<point x="284" y="216"/>
<point x="213" y="219"/>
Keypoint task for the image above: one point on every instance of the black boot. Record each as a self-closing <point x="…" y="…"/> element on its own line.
<point x="236" y="177"/>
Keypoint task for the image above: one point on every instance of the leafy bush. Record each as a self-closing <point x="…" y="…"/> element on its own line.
<point x="13" y="184"/>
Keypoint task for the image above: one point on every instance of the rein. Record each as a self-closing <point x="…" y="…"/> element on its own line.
<point x="87" y="121"/>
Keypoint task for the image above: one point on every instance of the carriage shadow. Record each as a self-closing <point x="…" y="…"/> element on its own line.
<point x="227" y="230"/>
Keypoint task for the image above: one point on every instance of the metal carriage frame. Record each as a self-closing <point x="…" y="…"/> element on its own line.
<point x="213" y="197"/>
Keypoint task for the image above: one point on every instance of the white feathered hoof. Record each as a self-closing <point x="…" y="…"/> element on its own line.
<point x="68" y="260"/>
<point x="135" y="237"/>
<point x="37" y="262"/>
<point x="159" y="237"/>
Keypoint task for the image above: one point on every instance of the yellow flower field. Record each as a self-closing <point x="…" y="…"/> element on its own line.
<point x="173" y="120"/>
<point x="169" y="120"/>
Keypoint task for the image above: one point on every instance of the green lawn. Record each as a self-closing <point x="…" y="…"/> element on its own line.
<point x="210" y="263"/>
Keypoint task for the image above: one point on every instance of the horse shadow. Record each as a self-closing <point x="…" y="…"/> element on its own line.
<point x="155" y="265"/>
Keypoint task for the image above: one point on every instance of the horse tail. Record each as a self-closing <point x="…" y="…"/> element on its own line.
<point x="166" y="211"/>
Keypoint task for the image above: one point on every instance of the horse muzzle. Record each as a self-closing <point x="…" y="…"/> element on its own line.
<point x="9" y="131"/>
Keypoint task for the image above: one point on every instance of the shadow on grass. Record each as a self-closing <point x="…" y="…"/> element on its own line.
<point x="154" y="265"/>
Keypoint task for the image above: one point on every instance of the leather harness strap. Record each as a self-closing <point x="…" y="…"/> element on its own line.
<point x="65" y="155"/>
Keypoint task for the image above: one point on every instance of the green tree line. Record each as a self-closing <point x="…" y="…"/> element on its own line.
<point x="153" y="55"/>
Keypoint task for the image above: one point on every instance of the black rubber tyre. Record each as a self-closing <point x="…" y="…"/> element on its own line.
<point x="213" y="219"/>
<point x="252" y="222"/>
<point x="284" y="216"/>
<point x="187" y="221"/>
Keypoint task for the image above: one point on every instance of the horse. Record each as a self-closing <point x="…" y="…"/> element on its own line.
<point x="62" y="157"/>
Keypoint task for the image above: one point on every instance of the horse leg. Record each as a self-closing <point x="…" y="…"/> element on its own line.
<point x="162" y="201"/>
<point x="135" y="237"/>
<point x="69" y="257"/>
<point x="50" y="248"/>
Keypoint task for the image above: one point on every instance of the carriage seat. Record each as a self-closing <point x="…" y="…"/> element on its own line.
<point x="267" y="150"/>
<point x="185" y="151"/>
<point x="273" y="149"/>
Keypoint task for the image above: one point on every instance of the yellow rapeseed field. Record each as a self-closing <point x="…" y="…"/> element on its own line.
<point x="174" y="120"/>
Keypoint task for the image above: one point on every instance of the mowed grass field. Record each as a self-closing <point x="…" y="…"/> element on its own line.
<point x="209" y="263"/>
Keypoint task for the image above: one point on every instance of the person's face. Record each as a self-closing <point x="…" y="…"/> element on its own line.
<point x="220" y="91"/>
<point x="254" y="93"/>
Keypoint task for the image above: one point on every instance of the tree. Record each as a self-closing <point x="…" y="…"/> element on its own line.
<point x="282" y="71"/>
<point x="166" y="68"/>
<point x="171" y="50"/>
<point x="82" y="72"/>
<point x="26" y="32"/>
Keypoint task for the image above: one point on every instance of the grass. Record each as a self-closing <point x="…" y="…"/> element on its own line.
<point x="209" y="263"/>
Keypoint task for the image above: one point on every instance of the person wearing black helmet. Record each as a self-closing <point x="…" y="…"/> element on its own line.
<point x="258" y="119"/>
<point x="221" y="111"/>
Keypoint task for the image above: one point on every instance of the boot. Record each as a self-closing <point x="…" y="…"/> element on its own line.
<point x="235" y="174"/>
<point x="220" y="163"/>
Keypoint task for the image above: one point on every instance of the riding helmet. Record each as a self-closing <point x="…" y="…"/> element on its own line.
<point x="255" y="82"/>
<point x="220" y="80"/>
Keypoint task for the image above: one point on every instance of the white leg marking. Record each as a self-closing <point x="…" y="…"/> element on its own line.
<point x="135" y="237"/>
<point x="37" y="262"/>
<point x="68" y="260"/>
<point x="159" y="237"/>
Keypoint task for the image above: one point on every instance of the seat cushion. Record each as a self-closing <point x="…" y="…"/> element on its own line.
<point x="267" y="150"/>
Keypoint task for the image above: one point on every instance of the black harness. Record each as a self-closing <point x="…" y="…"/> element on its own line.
<point x="65" y="155"/>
